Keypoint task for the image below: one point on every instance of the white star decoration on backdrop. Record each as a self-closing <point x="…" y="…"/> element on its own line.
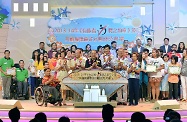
<point x="172" y="27"/>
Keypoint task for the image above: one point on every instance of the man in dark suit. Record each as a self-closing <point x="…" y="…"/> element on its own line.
<point x="41" y="48"/>
<point x="166" y="47"/>
<point x="138" y="48"/>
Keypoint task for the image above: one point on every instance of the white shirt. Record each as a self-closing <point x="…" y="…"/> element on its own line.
<point x="113" y="52"/>
<point x="139" y="49"/>
<point x="166" y="48"/>
<point x="157" y="62"/>
<point x="41" y="51"/>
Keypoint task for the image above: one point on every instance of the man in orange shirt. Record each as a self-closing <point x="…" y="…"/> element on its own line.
<point x="50" y="83"/>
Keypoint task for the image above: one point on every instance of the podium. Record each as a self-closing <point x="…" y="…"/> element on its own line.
<point x="110" y="81"/>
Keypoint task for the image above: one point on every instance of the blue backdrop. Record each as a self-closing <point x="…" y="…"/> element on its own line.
<point x="95" y="31"/>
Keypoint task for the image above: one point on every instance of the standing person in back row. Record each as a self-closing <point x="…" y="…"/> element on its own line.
<point x="166" y="47"/>
<point x="5" y="63"/>
<point x="41" y="48"/>
<point x="138" y="48"/>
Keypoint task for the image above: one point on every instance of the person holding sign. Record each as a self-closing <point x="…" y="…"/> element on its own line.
<point x="173" y="79"/>
<point x="107" y="59"/>
<point x="93" y="62"/>
<point x="121" y="68"/>
<point x="32" y="71"/>
<point x="156" y="76"/>
<point x="133" y="81"/>
<point x="184" y="75"/>
<point x="6" y="64"/>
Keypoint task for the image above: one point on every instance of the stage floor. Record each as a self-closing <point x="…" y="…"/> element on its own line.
<point x="30" y="105"/>
<point x="89" y="114"/>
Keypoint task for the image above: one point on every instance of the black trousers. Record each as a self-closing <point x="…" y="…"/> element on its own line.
<point x="173" y="90"/>
<point x="143" y="90"/>
<point x="133" y="84"/>
<point x="52" y="90"/>
<point x="38" y="81"/>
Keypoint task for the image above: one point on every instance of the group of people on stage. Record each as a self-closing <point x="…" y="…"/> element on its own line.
<point x="129" y="62"/>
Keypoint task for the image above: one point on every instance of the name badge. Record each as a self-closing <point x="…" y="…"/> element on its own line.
<point x="18" y="70"/>
<point x="5" y="63"/>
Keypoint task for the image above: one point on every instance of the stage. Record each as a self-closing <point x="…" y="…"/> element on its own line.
<point x="89" y="114"/>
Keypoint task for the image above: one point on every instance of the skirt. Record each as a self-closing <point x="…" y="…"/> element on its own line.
<point x="155" y="79"/>
<point x="60" y="76"/>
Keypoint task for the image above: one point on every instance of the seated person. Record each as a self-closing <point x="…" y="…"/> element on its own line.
<point x="50" y="83"/>
<point x="21" y="77"/>
<point x="93" y="62"/>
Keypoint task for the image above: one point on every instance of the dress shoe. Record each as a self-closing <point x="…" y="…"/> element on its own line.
<point x="124" y="103"/>
<point x="130" y="104"/>
<point x="119" y="103"/>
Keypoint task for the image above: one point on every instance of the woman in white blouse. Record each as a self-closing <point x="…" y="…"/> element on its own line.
<point x="155" y="77"/>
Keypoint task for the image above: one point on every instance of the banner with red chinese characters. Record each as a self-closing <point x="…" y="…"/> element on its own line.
<point x="82" y="26"/>
<point x="93" y="31"/>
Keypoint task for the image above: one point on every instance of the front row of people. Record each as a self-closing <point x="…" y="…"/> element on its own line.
<point x="136" y="69"/>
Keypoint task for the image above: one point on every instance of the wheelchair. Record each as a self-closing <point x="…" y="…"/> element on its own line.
<point x="14" y="91"/>
<point x="14" y="88"/>
<point x="43" y="96"/>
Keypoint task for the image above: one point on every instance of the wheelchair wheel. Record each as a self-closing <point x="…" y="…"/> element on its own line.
<point x="26" y="97"/>
<point x="39" y="96"/>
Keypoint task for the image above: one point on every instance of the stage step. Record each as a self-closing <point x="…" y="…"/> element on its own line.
<point x="89" y="116"/>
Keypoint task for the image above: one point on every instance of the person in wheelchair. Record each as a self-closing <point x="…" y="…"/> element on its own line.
<point x="21" y="78"/>
<point x="51" y="84"/>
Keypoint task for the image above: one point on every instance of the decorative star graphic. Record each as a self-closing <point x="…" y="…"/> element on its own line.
<point x="172" y="27"/>
<point x="61" y="12"/>
<point x="148" y="29"/>
<point x="64" y="11"/>
<point x="15" y="25"/>
<point x="56" y="17"/>
<point x="143" y="31"/>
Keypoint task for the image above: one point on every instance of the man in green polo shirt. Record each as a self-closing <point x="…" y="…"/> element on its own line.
<point x="21" y="77"/>
<point x="6" y="63"/>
